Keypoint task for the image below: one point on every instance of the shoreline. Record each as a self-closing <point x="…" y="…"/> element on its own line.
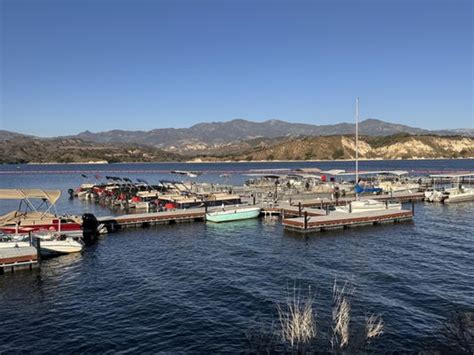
<point x="236" y="162"/>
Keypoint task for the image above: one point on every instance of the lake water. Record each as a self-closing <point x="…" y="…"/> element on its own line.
<point x="205" y="288"/>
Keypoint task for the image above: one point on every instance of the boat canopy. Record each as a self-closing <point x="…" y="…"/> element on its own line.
<point x="452" y="176"/>
<point x="378" y="172"/>
<point x="24" y="194"/>
<point x="334" y="172"/>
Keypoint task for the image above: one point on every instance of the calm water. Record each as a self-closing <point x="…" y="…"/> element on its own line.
<point x="203" y="287"/>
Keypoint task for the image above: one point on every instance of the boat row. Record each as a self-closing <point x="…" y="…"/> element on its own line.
<point x="49" y="243"/>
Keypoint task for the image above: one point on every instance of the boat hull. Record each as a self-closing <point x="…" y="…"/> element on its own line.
<point x="368" y="206"/>
<point x="461" y="197"/>
<point x="52" y="248"/>
<point x="233" y="215"/>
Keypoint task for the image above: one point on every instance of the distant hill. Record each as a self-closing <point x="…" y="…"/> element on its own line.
<point x="232" y="138"/>
<point x="209" y="136"/>
<point x="400" y="146"/>
<point x="7" y="135"/>
<point x="61" y="150"/>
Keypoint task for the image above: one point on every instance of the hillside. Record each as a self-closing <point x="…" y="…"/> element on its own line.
<point x="400" y="146"/>
<point x="34" y="150"/>
<point x="220" y="135"/>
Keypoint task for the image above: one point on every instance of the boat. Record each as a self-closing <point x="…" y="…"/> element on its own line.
<point x="433" y="195"/>
<point x="33" y="218"/>
<point x="187" y="173"/>
<point x="368" y="206"/>
<point x="51" y="244"/>
<point x="459" y="194"/>
<point x="234" y="214"/>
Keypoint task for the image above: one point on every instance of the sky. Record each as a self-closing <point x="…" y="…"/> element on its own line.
<point x="69" y="65"/>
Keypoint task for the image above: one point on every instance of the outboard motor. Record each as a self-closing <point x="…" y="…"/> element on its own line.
<point x="89" y="228"/>
<point x="71" y="194"/>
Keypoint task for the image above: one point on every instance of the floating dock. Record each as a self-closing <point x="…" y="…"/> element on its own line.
<point x="322" y="203"/>
<point x="341" y="220"/>
<point x="138" y="220"/>
<point x="13" y="259"/>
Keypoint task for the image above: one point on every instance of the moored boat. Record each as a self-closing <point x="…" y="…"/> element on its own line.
<point x="29" y="217"/>
<point x="51" y="244"/>
<point x="59" y="244"/>
<point x="460" y="194"/>
<point x="368" y="205"/>
<point x="234" y="214"/>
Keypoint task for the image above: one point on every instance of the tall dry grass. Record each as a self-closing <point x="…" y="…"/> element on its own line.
<point x="298" y="328"/>
<point x="297" y="319"/>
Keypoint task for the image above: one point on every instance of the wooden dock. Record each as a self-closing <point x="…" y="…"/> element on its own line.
<point x="13" y="259"/>
<point x="322" y="203"/>
<point x="148" y="219"/>
<point x="141" y="220"/>
<point x="341" y="220"/>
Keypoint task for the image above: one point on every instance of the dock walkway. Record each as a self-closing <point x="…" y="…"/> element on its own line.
<point x="323" y="202"/>
<point x="340" y="220"/>
<point x="12" y="259"/>
<point x="138" y="220"/>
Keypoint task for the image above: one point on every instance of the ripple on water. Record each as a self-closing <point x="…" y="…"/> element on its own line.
<point x="200" y="287"/>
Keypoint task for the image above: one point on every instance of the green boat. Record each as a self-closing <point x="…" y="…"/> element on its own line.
<point x="235" y="214"/>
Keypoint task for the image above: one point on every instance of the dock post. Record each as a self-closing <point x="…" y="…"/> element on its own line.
<point x="38" y="249"/>
<point x="305" y="219"/>
<point x="253" y="197"/>
<point x="386" y="204"/>
<point x="290" y="201"/>
<point x="412" y="208"/>
<point x="205" y="207"/>
<point x="327" y="209"/>
<point x="350" y="207"/>
<point x="299" y="209"/>
<point x="30" y="237"/>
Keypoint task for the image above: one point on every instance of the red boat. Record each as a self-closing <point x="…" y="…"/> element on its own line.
<point x="29" y="217"/>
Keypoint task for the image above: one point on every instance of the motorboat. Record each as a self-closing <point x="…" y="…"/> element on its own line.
<point x="51" y="244"/>
<point x="459" y="194"/>
<point x="192" y="174"/>
<point x="233" y="214"/>
<point x="434" y="195"/>
<point x="29" y="217"/>
<point x="368" y="206"/>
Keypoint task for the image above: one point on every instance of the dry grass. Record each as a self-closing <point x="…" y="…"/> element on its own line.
<point x="373" y="326"/>
<point x="341" y="315"/>
<point x="298" y="327"/>
<point x="297" y="319"/>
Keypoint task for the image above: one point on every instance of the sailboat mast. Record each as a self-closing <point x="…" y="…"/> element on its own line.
<point x="357" y="141"/>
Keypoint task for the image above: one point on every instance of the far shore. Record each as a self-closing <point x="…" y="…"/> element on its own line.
<point x="199" y="161"/>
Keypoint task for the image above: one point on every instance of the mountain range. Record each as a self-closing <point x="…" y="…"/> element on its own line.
<point x="241" y="140"/>
<point x="204" y="136"/>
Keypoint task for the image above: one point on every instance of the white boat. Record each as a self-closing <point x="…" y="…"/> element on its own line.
<point x="434" y="195"/>
<point x="367" y="206"/>
<point x="234" y="214"/>
<point x="459" y="194"/>
<point x="51" y="244"/>
<point x="187" y="173"/>
<point x="396" y="186"/>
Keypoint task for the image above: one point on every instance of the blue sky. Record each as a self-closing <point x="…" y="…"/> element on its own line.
<point x="70" y="65"/>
